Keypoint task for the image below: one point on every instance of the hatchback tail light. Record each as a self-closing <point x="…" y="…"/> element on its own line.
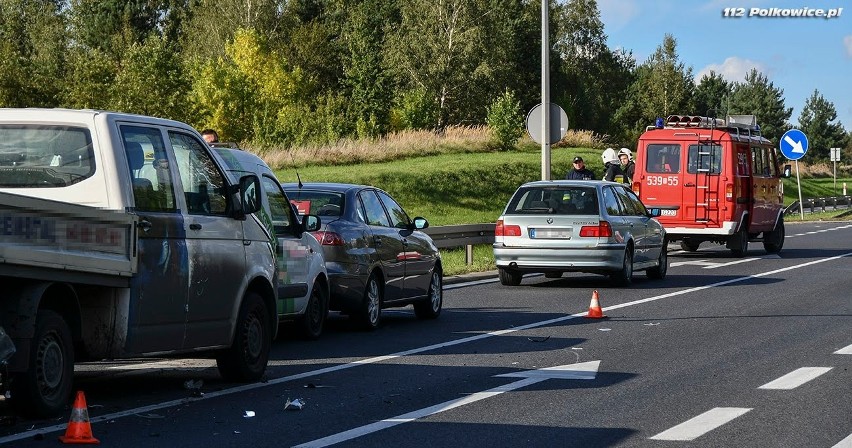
<point x="328" y="238"/>
<point x="504" y="230"/>
<point x="602" y="230"/>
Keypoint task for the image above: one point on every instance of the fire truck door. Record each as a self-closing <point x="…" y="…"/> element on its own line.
<point x="764" y="186"/>
<point x="701" y="197"/>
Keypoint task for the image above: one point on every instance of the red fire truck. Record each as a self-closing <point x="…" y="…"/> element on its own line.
<point x="715" y="180"/>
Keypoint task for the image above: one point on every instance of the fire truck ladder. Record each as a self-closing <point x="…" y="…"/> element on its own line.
<point x="706" y="198"/>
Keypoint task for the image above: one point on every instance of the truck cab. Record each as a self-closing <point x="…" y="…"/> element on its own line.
<point x="124" y="236"/>
<point x="714" y="180"/>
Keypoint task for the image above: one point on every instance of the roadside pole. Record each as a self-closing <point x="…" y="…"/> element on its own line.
<point x="799" y="185"/>
<point x="545" y="92"/>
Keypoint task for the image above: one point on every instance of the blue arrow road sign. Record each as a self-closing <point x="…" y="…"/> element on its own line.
<point x="794" y="144"/>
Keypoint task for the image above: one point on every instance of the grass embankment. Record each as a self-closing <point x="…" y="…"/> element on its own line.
<point x="451" y="185"/>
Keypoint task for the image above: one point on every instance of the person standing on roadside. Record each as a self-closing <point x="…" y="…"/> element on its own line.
<point x="612" y="169"/>
<point x="628" y="166"/>
<point x="580" y="172"/>
<point x="210" y="136"/>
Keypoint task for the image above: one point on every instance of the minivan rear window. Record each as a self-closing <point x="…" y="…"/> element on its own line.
<point x="554" y="200"/>
<point x="44" y="156"/>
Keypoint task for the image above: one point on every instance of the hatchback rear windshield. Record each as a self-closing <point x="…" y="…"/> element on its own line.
<point x="554" y="200"/>
<point x="322" y="203"/>
<point x="44" y="156"/>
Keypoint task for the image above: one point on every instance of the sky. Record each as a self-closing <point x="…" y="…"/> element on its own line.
<point x="798" y="55"/>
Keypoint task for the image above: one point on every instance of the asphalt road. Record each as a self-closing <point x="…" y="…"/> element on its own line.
<point x="752" y="351"/>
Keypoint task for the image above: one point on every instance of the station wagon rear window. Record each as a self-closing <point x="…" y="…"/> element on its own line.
<point x="39" y="156"/>
<point x="554" y="200"/>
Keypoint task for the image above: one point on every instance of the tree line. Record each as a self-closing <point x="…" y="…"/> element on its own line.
<point x="278" y="73"/>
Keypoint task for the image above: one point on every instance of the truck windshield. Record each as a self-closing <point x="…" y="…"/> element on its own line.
<point x="39" y="156"/>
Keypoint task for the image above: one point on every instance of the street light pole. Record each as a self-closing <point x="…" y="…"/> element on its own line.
<point x="545" y="91"/>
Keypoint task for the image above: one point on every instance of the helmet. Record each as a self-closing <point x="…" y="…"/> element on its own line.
<point x="609" y="156"/>
<point x="626" y="151"/>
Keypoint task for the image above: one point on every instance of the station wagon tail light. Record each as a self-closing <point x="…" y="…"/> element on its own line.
<point x="729" y="192"/>
<point x="602" y="230"/>
<point x="328" y="238"/>
<point x="504" y="230"/>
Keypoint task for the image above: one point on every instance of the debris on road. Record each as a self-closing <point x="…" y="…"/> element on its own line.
<point x="294" y="405"/>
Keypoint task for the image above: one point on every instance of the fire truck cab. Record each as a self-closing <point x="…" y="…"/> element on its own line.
<point x="714" y="180"/>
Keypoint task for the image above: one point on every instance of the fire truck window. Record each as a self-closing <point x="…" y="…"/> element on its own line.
<point x="758" y="161"/>
<point x="663" y="158"/>
<point x="704" y="159"/>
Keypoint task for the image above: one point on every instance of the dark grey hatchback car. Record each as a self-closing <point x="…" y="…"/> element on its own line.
<point x="376" y="256"/>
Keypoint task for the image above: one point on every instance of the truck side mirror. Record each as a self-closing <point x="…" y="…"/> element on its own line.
<point x="249" y="193"/>
<point x="787" y="172"/>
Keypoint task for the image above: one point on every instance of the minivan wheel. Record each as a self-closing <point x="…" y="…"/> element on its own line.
<point x="689" y="246"/>
<point x="773" y="241"/>
<point x="659" y="272"/>
<point x="370" y="314"/>
<point x="313" y="320"/>
<point x="509" y="278"/>
<point x="246" y="359"/>
<point x="430" y="308"/>
<point x="625" y="276"/>
<point x="46" y="389"/>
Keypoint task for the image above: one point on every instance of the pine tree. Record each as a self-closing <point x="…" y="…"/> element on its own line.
<point x="819" y="123"/>
<point x="757" y="96"/>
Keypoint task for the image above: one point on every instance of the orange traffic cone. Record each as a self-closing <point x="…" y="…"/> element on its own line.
<point x="79" y="430"/>
<point x="595" y="311"/>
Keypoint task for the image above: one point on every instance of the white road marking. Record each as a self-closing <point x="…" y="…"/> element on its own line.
<point x="700" y="425"/>
<point x="582" y="371"/>
<point x="795" y="378"/>
<point x="719" y="265"/>
<point x="844" y="351"/>
<point x="845" y="443"/>
<point x="314" y="373"/>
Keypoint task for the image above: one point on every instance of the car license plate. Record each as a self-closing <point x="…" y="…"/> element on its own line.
<point x="665" y="212"/>
<point x="563" y="234"/>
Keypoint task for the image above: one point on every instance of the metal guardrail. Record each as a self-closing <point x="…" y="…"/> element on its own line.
<point x="811" y="205"/>
<point x="464" y="235"/>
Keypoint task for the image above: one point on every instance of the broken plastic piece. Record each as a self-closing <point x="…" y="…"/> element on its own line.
<point x="294" y="405"/>
<point x="248" y="414"/>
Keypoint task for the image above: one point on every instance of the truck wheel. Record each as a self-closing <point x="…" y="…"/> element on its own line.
<point x="45" y="389"/>
<point x="739" y="243"/>
<point x="659" y="272"/>
<point x="430" y="308"/>
<point x="509" y="278"/>
<point x="773" y="241"/>
<point x="316" y="311"/>
<point x="246" y="359"/>
<point x="370" y="313"/>
<point x="689" y="246"/>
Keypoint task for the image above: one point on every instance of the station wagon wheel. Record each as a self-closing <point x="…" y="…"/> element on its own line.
<point x="509" y="278"/>
<point x="625" y="275"/>
<point x="739" y="243"/>
<point x="45" y="390"/>
<point x="371" y="307"/>
<point x="315" y="313"/>
<point x="430" y="308"/>
<point x="659" y="272"/>
<point x="773" y="241"/>
<point x="246" y="359"/>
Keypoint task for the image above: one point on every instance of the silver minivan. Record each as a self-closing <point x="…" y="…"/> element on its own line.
<point x="599" y="227"/>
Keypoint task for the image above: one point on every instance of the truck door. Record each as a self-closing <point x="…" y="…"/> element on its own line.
<point x="157" y="315"/>
<point x="703" y="167"/>
<point x="764" y="185"/>
<point x="662" y="184"/>
<point x="214" y="242"/>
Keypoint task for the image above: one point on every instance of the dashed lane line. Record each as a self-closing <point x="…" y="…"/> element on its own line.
<point x="796" y="378"/>
<point x="844" y="351"/>
<point x="845" y="443"/>
<point x="700" y="425"/>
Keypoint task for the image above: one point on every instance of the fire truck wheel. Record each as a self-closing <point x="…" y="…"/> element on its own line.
<point x="689" y="246"/>
<point x="773" y="241"/>
<point x="625" y="276"/>
<point x="739" y="243"/>
<point x="46" y="388"/>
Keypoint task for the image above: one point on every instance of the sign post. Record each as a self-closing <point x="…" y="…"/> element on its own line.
<point x="835" y="157"/>
<point x="794" y="145"/>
